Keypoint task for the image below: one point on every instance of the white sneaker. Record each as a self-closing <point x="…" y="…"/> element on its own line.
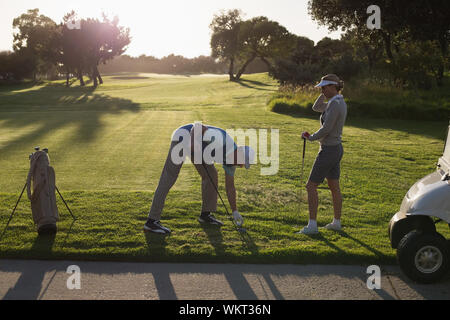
<point x="333" y="226"/>
<point x="308" y="230"/>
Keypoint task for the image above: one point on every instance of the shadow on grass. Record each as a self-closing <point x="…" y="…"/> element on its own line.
<point x="69" y="232"/>
<point x="377" y="253"/>
<point x="249" y="243"/>
<point x="432" y="129"/>
<point x="215" y="237"/>
<point x="156" y="243"/>
<point x="40" y="108"/>
<point x="214" y="234"/>
<point x="345" y="256"/>
<point x="130" y="78"/>
<point x="252" y="84"/>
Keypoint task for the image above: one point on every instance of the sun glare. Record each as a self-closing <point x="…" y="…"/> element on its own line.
<point x="160" y="28"/>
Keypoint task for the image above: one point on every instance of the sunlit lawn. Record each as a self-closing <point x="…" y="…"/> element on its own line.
<point x="108" y="147"/>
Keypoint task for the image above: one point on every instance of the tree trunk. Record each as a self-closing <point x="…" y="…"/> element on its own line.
<point x="444" y="49"/>
<point x="440" y="75"/>
<point x="387" y="44"/>
<point x="80" y="77"/>
<point x="100" y="80"/>
<point x="94" y="77"/>
<point x="231" y="70"/>
<point x="242" y="70"/>
<point x="67" y="78"/>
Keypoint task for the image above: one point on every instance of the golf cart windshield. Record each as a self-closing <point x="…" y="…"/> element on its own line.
<point x="444" y="161"/>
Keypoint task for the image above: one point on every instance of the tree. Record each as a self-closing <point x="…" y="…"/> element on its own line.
<point x="366" y="45"/>
<point x="402" y="21"/>
<point x="95" y="42"/>
<point x="429" y="21"/>
<point x="265" y="39"/>
<point x="101" y="41"/>
<point x="225" y="38"/>
<point x="36" y="39"/>
<point x="308" y="62"/>
<point x="241" y="42"/>
<point x="72" y="57"/>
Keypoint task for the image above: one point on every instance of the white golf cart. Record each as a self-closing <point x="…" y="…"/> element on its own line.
<point x="423" y="253"/>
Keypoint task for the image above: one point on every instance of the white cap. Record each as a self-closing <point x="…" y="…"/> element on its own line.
<point x="325" y="83"/>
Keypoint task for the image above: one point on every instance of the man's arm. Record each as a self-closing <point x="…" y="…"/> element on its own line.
<point x="231" y="191"/>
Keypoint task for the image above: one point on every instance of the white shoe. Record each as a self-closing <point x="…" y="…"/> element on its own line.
<point x="308" y="230"/>
<point x="333" y="226"/>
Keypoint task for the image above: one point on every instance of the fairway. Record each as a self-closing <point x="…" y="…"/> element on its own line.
<point x="108" y="148"/>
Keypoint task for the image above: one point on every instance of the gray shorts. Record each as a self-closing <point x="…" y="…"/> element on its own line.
<point x="327" y="164"/>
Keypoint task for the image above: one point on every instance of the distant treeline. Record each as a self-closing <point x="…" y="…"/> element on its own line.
<point x="73" y="48"/>
<point x="174" y="64"/>
<point x="409" y="50"/>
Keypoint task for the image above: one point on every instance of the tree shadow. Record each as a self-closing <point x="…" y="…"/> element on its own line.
<point x="252" y="84"/>
<point x="130" y="78"/>
<point x="54" y="106"/>
<point x="432" y="129"/>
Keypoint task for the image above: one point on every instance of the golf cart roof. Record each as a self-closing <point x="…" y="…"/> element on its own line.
<point x="444" y="161"/>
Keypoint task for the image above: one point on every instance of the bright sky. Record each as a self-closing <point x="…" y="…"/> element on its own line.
<point x="162" y="27"/>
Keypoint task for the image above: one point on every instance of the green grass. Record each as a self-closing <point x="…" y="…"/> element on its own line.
<point x="108" y="147"/>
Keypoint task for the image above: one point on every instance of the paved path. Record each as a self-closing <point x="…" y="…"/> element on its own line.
<point x="30" y="279"/>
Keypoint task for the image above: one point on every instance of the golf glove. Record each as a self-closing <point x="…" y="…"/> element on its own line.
<point x="306" y="135"/>
<point x="238" y="218"/>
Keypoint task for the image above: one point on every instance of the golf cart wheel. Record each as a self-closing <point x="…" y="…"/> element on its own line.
<point x="423" y="257"/>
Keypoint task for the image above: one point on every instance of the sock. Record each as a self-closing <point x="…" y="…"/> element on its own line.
<point x="312" y="224"/>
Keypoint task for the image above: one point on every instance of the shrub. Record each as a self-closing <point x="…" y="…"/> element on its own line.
<point x="370" y="100"/>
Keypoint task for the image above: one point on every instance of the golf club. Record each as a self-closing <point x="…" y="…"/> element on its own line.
<point x="238" y="228"/>
<point x="303" y="165"/>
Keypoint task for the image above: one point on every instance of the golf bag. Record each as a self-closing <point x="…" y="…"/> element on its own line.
<point x="43" y="198"/>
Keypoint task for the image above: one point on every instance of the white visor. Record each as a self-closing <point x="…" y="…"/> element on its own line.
<point x="325" y="83"/>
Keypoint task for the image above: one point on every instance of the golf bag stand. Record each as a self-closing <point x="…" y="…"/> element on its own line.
<point x="15" y="207"/>
<point x="20" y="197"/>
